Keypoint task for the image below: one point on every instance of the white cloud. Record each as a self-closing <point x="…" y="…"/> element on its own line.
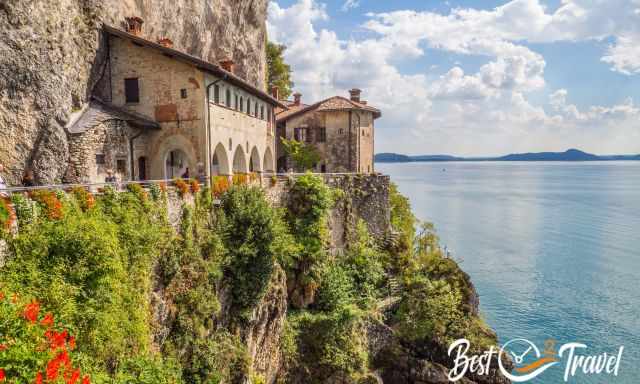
<point x="486" y="112"/>
<point x="350" y="4"/>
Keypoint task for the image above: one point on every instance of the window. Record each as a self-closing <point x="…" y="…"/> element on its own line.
<point x="255" y="111"/>
<point x="308" y="133"/>
<point x="322" y="135"/>
<point x="228" y="98"/>
<point x="121" y="166"/>
<point x="183" y="93"/>
<point x="297" y="134"/>
<point x="236" y="102"/>
<point x="248" y="106"/>
<point x="132" y="90"/>
<point x="269" y="113"/>
<point x="100" y="159"/>
<point x="216" y="94"/>
<point x="323" y="168"/>
<point x="262" y="112"/>
<point x="241" y="104"/>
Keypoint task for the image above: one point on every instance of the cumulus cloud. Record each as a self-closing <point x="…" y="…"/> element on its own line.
<point x="483" y="112"/>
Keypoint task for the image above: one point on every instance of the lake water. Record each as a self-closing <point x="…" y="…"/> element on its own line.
<point x="552" y="248"/>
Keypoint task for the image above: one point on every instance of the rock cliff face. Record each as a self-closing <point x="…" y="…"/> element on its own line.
<point x="52" y="54"/>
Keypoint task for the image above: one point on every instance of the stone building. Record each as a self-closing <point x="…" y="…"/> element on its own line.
<point x="341" y="129"/>
<point x="159" y="113"/>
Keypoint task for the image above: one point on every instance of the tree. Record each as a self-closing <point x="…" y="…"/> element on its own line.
<point x="304" y="156"/>
<point x="278" y="72"/>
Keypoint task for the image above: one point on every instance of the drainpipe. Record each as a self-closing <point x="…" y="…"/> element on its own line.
<point x="359" y="144"/>
<point x="133" y="166"/>
<point x="208" y="130"/>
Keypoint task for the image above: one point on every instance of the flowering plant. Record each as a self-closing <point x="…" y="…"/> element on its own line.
<point x="195" y="186"/>
<point x="33" y="349"/>
<point x="84" y="198"/>
<point x="240" y="179"/>
<point x="138" y="191"/>
<point x="7" y="213"/>
<point x="220" y="185"/>
<point x="182" y="186"/>
<point x="50" y="202"/>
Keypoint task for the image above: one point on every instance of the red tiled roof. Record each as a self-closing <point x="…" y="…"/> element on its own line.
<point x="206" y="66"/>
<point x="335" y="103"/>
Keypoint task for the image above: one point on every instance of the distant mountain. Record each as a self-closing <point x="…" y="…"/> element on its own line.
<point x="392" y="158"/>
<point x="569" y="155"/>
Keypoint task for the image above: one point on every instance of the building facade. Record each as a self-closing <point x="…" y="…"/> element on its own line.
<point x="163" y="114"/>
<point x="341" y="130"/>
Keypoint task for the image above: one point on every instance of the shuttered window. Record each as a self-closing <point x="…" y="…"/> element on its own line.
<point x="132" y="90"/>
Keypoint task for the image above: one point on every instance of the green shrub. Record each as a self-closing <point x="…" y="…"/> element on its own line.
<point x="249" y="237"/>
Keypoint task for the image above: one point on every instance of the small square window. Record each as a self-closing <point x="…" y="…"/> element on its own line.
<point x="100" y="159"/>
<point x="183" y="93"/>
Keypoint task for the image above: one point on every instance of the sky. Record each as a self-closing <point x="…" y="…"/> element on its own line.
<point x="474" y="78"/>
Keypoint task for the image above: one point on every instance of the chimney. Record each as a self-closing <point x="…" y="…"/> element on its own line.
<point x="355" y="94"/>
<point x="275" y="92"/>
<point x="166" y="42"/>
<point x="228" y="65"/>
<point x="297" y="98"/>
<point x="134" y="25"/>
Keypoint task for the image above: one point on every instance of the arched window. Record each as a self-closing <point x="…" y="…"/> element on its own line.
<point x="216" y="94"/>
<point x="241" y="104"/>
<point x="255" y="110"/>
<point x="236" y="102"/>
<point x="248" y="106"/>
<point x="228" y="98"/>
<point x="262" y="112"/>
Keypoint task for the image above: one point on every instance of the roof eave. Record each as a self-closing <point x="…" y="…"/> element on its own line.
<point x="197" y="62"/>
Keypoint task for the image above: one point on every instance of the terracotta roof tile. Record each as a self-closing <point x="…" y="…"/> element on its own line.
<point x="335" y="103"/>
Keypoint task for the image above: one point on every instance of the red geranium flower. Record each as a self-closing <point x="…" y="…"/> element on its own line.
<point x="2" y="376"/>
<point x="72" y="343"/>
<point x="86" y="380"/>
<point x="73" y="377"/>
<point x="56" y="339"/>
<point x="38" y="378"/>
<point x="48" y="320"/>
<point x="2" y="347"/>
<point x="31" y="311"/>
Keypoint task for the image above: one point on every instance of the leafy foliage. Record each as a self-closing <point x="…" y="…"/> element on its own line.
<point x="304" y="156"/>
<point x="278" y="72"/>
<point x="249" y="236"/>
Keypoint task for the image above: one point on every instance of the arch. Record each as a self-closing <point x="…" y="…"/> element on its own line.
<point x="254" y="161"/>
<point x="176" y="164"/>
<point x="239" y="161"/>
<point x="220" y="161"/>
<point x="267" y="163"/>
<point x="157" y="165"/>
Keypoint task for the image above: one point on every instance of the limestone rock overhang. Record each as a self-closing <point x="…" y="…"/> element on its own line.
<point x="205" y="66"/>
<point x="335" y="103"/>
<point x="98" y="111"/>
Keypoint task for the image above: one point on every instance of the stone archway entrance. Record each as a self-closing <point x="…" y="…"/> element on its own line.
<point x="254" y="162"/>
<point x="176" y="165"/>
<point x="239" y="161"/>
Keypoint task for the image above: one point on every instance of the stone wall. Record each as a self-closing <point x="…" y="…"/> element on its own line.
<point x="109" y="139"/>
<point x="365" y="197"/>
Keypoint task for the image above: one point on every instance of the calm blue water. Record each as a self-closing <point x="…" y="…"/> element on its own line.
<point x="553" y="248"/>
